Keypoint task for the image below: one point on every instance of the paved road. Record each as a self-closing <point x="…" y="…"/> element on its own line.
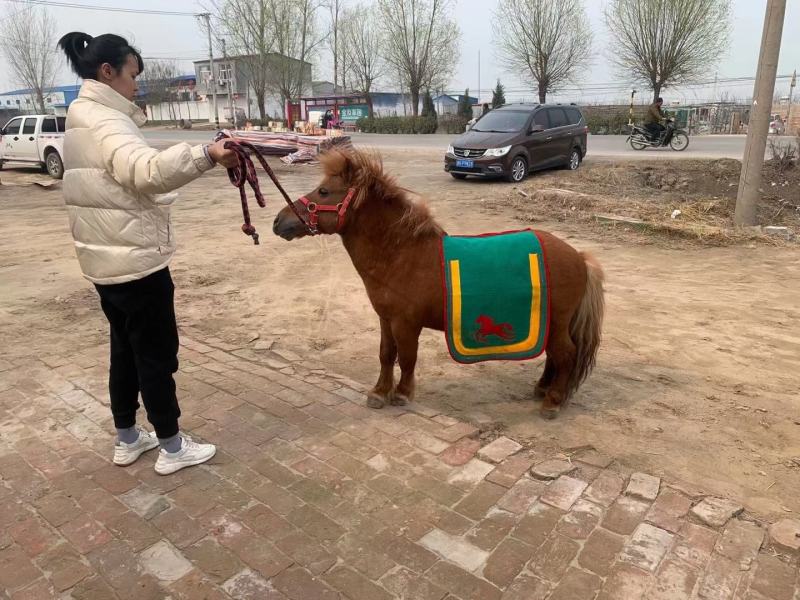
<point x="312" y="495"/>
<point x="606" y="146"/>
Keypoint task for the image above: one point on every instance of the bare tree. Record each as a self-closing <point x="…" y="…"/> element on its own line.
<point x="249" y="28"/>
<point x="296" y="39"/>
<point x="158" y="80"/>
<point x="363" y="42"/>
<point x="334" y="39"/>
<point x="29" y="49"/>
<point x="667" y="42"/>
<point x="548" y="40"/>
<point x="421" y="43"/>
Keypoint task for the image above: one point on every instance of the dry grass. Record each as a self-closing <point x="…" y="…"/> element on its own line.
<point x="692" y="199"/>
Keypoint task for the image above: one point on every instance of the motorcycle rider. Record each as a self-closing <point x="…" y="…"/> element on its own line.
<point x="653" y="119"/>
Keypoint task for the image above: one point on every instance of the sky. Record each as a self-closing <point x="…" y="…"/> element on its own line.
<point x="183" y="39"/>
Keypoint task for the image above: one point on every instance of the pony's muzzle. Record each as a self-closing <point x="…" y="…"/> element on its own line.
<point x="287" y="225"/>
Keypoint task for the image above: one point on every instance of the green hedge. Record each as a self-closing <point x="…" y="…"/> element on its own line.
<point x="397" y="125"/>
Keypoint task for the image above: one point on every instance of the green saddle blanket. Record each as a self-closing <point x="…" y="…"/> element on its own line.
<point x="496" y="296"/>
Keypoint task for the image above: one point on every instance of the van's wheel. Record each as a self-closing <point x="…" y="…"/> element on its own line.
<point x="574" y="160"/>
<point x="53" y="165"/>
<point x="458" y="176"/>
<point x="519" y="170"/>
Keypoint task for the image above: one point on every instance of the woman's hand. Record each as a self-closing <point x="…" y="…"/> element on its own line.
<point x="222" y="156"/>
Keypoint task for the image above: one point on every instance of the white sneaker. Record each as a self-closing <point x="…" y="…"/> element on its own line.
<point x="191" y="453"/>
<point x="126" y="454"/>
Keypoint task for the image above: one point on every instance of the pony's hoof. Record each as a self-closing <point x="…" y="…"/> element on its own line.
<point x="548" y="414"/>
<point x="375" y="401"/>
<point x="398" y="400"/>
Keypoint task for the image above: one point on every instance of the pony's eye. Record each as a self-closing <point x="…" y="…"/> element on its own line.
<point x="323" y="191"/>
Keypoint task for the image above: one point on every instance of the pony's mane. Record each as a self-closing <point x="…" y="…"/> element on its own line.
<point x="363" y="170"/>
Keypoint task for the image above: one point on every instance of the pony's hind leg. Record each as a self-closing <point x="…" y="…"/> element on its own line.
<point x="382" y="392"/>
<point x="546" y="379"/>
<point x="563" y="353"/>
<point x="407" y="338"/>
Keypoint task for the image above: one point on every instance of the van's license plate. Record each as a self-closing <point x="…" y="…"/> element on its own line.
<point x="467" y="164"/>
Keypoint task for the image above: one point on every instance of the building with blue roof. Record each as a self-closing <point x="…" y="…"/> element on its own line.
<point x="55" y="98"/>
<point x="448" y="103"/>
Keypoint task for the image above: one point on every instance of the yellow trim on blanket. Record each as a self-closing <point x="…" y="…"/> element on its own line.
<point x="536" y="307"/>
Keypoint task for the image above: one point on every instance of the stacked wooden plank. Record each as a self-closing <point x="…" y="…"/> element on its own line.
<point x="291" y="147"/>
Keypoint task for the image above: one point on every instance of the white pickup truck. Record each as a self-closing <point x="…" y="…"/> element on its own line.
<point x="34" y="139"/>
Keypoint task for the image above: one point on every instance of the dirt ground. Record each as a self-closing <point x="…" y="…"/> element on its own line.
<point x="697" y="378"/>
<point x="687" y="200"/>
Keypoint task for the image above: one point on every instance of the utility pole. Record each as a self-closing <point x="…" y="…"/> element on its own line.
<point x="229" y="83"/>
<point x="630" y="111"/>
<point x="714" y="93"/>
<point x="213" y="117"/>
<point x="479" y="75"/>
<point x="758" y="127"/>
<point x="789" y="110"/>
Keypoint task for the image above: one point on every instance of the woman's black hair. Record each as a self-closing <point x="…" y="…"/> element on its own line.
<point x="85" y="54"/>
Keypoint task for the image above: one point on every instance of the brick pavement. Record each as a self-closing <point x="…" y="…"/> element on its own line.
<point x="312" y="495"/>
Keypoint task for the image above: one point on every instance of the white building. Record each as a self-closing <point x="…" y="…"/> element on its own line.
<point x="231" y="82"/>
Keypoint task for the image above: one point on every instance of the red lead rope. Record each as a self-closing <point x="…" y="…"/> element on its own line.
<point x="245" y="173"/>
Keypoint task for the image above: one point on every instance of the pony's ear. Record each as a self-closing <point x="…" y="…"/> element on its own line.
<point x="336" y="163"/>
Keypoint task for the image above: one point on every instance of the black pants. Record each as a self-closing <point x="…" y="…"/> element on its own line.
<point x="144" y="350"/>
<point x="655" y="130"/>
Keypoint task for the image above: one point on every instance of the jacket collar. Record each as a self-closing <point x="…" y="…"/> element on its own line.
<point x="107" y="96"/>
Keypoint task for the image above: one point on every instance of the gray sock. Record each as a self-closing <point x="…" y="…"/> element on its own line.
<point x="128" y="435"/>
<point x="171" y="444"/>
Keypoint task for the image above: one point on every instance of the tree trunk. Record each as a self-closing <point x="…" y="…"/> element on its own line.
<point x="656" y="91"/>
<point x="260" y="99"/>
<point x="335" y="58"/>
<point x="415" y="100"/>
<point x="542" y="92"/>
<point x="40" y="100"/>
<point x="370" y="112"/>
<point x="302" y="53"/>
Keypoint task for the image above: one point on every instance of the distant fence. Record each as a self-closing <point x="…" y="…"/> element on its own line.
<point x="611" y="119"/>
<point x="717" y="117"/>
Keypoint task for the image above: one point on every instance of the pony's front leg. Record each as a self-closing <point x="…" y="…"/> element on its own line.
<point x="406" y="336"/>
<point x="382" y="392"/>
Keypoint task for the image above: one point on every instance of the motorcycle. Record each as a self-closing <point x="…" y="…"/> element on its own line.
<point x="677" y="139"/>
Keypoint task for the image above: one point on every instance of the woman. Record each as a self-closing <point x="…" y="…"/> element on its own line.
<point x="116" y="189"/>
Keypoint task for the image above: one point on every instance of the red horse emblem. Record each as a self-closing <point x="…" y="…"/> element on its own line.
<point x="488" y="327"/>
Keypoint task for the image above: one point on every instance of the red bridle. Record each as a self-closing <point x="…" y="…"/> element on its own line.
<point x="245" y="173"/>
<point x="314" y="209"/>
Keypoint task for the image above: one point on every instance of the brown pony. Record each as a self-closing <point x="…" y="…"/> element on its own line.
<point x="394" y="244"/>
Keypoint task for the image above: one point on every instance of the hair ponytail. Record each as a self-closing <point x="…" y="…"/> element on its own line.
<point x="86" y="54"/>
<point x="74" y="46"/>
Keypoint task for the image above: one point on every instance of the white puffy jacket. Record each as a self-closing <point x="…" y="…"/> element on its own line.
<point x="116" y="187"/>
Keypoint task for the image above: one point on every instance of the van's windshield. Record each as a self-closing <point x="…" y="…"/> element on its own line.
<point x="502" y="121"/>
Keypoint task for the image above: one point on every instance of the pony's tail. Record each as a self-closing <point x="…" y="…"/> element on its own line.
<point x="587" y="323"/>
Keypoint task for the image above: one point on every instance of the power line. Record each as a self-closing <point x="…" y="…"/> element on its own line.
<point x="173" y="56"/>
<point x="622" y="86"/>
<point x="140" y="11"/>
